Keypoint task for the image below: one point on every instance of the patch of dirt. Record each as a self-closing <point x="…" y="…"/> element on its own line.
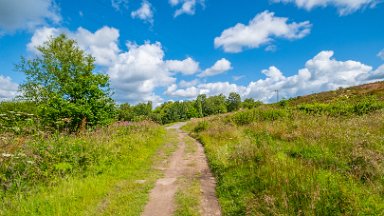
<point x="209" y="203"/>
<point x="182" y="165"/>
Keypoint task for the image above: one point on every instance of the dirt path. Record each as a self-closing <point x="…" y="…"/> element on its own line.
<point x="184" y="164"/>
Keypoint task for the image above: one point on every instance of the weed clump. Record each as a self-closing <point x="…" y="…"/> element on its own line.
<point x="201" y="126"/>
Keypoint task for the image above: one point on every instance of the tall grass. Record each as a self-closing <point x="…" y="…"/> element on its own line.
<point x="288" y="161"/>
<point x="93" y="173"/>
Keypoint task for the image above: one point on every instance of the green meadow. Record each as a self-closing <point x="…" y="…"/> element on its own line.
<point x="304" y="156"/>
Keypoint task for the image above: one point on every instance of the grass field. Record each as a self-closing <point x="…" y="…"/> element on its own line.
<point x="287" y="161"/>
<point x="106" y="172"/>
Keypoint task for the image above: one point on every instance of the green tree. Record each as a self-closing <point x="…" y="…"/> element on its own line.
<point x="214" y="105"/>
<point x="250" y="103"/>
<point x="143" y="109"/>
<point x="125" y="112"/>
<point x="233" y="101"/>
<point x="62" y="84"/>
<point x="200" y="100"/>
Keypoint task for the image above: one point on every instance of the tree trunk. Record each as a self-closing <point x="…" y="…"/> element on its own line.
<point x="83" y="125"/>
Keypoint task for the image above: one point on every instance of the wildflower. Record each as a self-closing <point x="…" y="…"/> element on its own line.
<point x="7" y="155"/>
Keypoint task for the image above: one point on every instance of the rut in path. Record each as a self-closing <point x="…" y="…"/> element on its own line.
<point x="161" y="199"/>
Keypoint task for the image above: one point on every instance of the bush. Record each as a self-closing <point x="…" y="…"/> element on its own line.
<point x="343" y="108"/>
<point x="243" y="118"/>
<point x="201" y="126"/>
<point x="271" y="114"/>
<point x="249" y="116"/>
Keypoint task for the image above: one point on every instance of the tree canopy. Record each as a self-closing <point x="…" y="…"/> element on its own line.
<point x="233" y="102"/>
<point x="62" y="83"/>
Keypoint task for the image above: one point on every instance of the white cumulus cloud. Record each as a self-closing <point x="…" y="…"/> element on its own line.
<point x="8" y="89"/>
<point x="261" y="30"/>
<point x="344" y="6"/>
<point x="27" y="14"/>
<point x="140" y="70"/>
<point x="186" y="84"/>
<point x="219" y="67"/>
<point x="321" y="73"/>
<point x="101" y="44"/>
<point x="187" y="66"/>
<point x="187" y="6"/>
<point x="144" y="13"/>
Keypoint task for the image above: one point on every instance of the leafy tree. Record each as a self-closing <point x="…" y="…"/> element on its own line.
<point x="125" y="112"/>
<point x="143" y="109"/>
<point x="176" y="111"/>
<point x="250" y="103"/>
<point x="62" y="84"/>
<point x="233" y="101"/>
<point x="214" y="105"/>
<point x="199" y="104"/>
<point x="191" y="109"/>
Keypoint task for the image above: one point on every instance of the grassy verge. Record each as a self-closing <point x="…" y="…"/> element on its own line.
<point x="288" y="162"/>
<point x="108" y="172"/>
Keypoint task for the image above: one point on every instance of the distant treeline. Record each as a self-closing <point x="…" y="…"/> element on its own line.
<point x="26" y="117"/>
<point x="183" y="110"/>
<point x="22" y="116"/>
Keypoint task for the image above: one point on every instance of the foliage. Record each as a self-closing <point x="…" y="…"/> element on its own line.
<point x="250" y="103"/>
<point x="139" y="112"/>
<point x="355" y="93"/>
<point x="176" y="111"/>
<point x="283" y="103"/>
<point x="19" y="117"/>
<point x="43" y="175"/>
<point x="311" y="160"/>
<point x="214" y="105"/>
<point x="233" y="102"/>
<point x="62" y="84"/>
<point x="343" y="108"/>
<point x="259" y="114"/>
<point x="201" y="126"/>
<point x="243" y="117"/>
<point x="169" y="112"/>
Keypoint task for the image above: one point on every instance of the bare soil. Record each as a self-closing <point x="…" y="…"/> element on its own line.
<point x="183" y="165"/>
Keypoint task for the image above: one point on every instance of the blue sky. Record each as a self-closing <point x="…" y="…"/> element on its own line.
<point x="162" y="50"/>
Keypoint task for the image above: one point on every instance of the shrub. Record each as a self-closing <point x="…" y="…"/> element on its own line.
<point x="243" y="118"/>
<point x="343" y="108"/>
<point x="271" y="114"/>
<point x="201" y="126"/>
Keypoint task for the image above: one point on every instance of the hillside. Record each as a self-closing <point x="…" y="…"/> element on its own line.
<point x="372" y="89"/>
<point x="321" y="154"/>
